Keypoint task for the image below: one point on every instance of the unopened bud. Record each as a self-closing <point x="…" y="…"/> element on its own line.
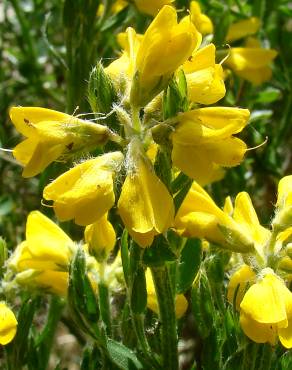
<point x="101" y="91"/>
<point x="100" y="238"/>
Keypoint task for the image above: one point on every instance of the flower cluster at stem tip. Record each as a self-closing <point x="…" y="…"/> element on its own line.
<point x="195" y="141"/>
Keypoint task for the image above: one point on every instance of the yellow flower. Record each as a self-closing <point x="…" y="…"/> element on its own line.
<point x="165" y="46"/>
<point x="202" y="22"/>
<point x="85" y="192"/>
<point x="204" y="76"/>
<point x="284" y="198"/>
<point x="8" y="324"/>
<point x="100" y="238"/>
<point x="46" y="247"/>
<point x="181" y="304"/>
<point x="266" y="310"/>
<point x="151" y="7"/>
<point x="283" y="217"/>
<point x="122" y="69"/>
<point x="245" y="216"/>
<point x="50" y="135"/>
<point x="251" y="62"/>
<point x="238" y="284"/>
<point x="55" y="282"/>
<point x="243" y="28"/>
<point x="200" y="217"/>
<point x="203" y="142"/>
<point x="145" y="205"/>
<point x="43" y="259"/>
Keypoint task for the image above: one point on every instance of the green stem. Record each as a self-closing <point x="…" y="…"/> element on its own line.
<point x="138" y="318"/>
<point x="104" y="307"/>
<point x="166" y="303"/>
<point x="46" y="338"/>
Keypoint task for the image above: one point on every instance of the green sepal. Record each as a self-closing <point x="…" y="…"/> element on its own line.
<point x="101" y="91"/>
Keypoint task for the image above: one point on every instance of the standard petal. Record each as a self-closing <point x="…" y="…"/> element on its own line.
<point x="24" y="118"/>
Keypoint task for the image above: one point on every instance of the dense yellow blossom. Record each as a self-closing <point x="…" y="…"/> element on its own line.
<point x="266" y="310"/>
<point x="203" y="142"/>
<point x="8" y="324"/>
<point x="50" y="135"/>
<point x="85" y="193"/>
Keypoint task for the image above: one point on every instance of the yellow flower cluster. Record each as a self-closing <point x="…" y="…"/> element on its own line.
<point x="266" y="307"/>
<point x="202" y="139"/>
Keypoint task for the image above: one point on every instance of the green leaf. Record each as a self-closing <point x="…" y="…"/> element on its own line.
<point x="125" y="255"/>
<point x="268" y="96"/>
<point x="175" y="98"/>
<point x="122" y="356"/>
<point x="180" y="196"/>
<point x="180" y="181"/>
<point x="202" y="306"/>
<point x="189" y="264"/>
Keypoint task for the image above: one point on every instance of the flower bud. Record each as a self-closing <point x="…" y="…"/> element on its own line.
<point x="101" y="91"/>
<point x="100" y="238"/>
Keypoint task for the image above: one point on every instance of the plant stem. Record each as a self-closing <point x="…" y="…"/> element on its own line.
<point x="166" y="303"/>
<point x="104" y="307"/>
